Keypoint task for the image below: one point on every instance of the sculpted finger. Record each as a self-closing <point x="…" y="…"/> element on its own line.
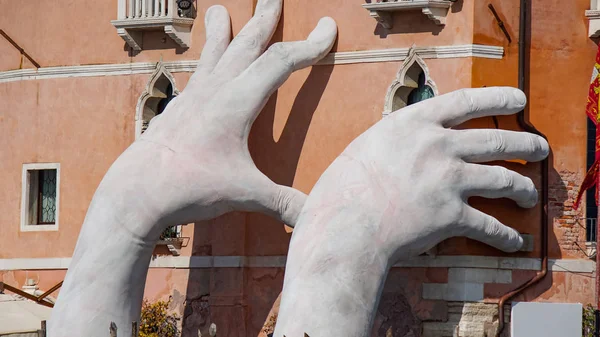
<point x="269" y="72"/>
<point x="252" y="40"/>
<point x="258" y="193"/>
<point x="462" y="105"/>
<point x="287" y="205"/>
<point x="495" y="182"/>
<point x="487" y="229"/>
<point x="479" y="146"/>
<point x="281" y="202"/>
<point x="218" y="35"/>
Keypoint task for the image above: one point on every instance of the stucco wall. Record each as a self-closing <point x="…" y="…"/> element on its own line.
<point x="86" y="122"/>
<point x="66" y="32"/>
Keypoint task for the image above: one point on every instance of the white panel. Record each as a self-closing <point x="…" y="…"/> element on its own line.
<point x="479" y="275"/>
<point x="470" y="292"/>
<point x="546" y="319"/>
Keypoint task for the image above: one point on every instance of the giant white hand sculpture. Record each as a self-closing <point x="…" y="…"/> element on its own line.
<point x="191" y="164"/>
<point x="395" y="192"/>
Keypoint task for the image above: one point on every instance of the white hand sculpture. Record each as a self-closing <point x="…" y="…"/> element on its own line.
<point x="191" y="164"/>
<point x="396" y="191"/>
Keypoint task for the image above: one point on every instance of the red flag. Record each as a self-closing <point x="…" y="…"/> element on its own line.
<point x="592" y="109"/>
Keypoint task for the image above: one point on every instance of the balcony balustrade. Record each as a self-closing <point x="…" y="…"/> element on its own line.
<point x="593" y="15"/>
<point x="136" y="16"/>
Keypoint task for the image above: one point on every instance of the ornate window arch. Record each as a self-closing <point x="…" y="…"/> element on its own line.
<point x="159" y="91"/>
<point x="412" y="84"/>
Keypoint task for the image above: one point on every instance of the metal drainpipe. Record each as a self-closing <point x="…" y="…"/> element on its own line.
<point x="544" y="172"/>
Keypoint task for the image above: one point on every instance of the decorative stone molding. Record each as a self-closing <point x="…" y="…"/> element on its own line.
<point x="137" y="16"/>
<point x="142" y="113"/>
<point x="400" y="54"/>
<point x="353" y="57"/>
<point x="436" y="10"/>
<point x="440" y="261"/>
<point x="405" y="81"/>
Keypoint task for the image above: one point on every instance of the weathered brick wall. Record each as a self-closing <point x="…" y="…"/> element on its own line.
<point x="468" y="320"/>
<point x="568" y="223"/>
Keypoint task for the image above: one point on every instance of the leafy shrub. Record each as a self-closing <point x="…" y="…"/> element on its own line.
<point x="156" y="320"/>
<point x="169" y="233"/>
<point x="589" y="320"/>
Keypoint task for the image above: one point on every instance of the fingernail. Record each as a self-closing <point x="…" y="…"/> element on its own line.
<point x="211" y="12"/>
<point x="520" y="97"/>
<point x="207" y="17"/>
<point x="545" y="147"/>
<point x="520" y="243"/>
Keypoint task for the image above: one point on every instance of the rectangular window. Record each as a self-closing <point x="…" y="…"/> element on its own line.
<point x="40" y="199"/>
<point x="591" y="210"/>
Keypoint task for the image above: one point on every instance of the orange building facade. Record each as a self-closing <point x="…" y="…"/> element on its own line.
<point x="95" y="73"/>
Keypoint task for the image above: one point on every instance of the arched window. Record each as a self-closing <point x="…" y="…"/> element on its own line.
<point x="412" y="84"/>
<point x="153" y="101"/>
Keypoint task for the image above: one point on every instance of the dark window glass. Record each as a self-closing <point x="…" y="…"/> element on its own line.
<point x="47" y="197"/>
<point x="162" y="104"/>
<point x="421" y="93"/>
<point x="591" y="210"/>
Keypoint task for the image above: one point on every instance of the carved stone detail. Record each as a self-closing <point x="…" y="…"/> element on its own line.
<point x="384" y="18"/>
<point x="179" y="34"/>
<point x="437" y="15"/>
<point x="133" y="38"/>
<point x="136" y="16"/>
<point x="436" y="10"/>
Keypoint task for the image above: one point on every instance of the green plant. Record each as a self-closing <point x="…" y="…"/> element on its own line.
<point x="589" y="319"/>
<point x="169" y="233"/>
<point x="156" y="320"/>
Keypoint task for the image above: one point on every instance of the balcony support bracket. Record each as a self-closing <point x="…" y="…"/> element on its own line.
<point x="435" y="10"/>
<point x="178" y="29"/>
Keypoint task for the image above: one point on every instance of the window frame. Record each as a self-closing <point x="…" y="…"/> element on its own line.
<point x="148" y="100"/>
<point x="26" y="225"/>
<point x="406" y="80"/>
<point x="590" y="194"/>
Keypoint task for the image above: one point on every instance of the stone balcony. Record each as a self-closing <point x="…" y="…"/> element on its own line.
<point x="382" y="10"/>
<point x="136" y="16"/>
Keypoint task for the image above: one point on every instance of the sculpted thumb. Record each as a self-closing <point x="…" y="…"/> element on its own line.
<point x="287" y="204"/>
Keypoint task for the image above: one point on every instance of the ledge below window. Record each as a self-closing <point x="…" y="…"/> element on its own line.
<point x="131" y="30"/>
<point x="173" y="245"/>
<point x="436" y="10"/>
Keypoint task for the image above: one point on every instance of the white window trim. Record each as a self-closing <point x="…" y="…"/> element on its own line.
<point x="25" y="227"/>
<point x="161" y="70"/>
<point x="412" y="58"/>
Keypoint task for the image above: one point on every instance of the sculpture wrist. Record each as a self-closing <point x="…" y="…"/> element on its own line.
<point x="111" y="256"/>
<point x="347" y="287"/>
<point x="322" y="276"/>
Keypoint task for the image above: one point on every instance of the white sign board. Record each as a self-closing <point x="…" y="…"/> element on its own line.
<point x="546" y="319"/>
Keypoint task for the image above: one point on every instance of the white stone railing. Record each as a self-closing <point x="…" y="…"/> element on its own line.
<point x="144" y="9"/>
<point x="593" y="15"/>
<point x="135" y="16"/>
